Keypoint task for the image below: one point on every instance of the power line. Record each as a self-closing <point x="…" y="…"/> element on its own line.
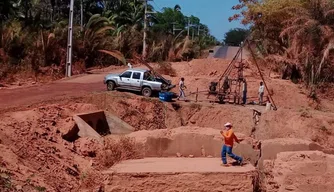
<point x="156" y="5"/>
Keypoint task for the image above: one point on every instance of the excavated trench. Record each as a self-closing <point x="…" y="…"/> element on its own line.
<point x="158" y="146"/>
<point x="189" y="140"/>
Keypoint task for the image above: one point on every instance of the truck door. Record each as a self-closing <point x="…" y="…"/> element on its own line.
<point x="124" y="79"/>
<point x="136" y="80"/>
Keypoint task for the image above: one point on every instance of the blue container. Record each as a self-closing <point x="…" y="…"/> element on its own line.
<point x="166" y="96"/>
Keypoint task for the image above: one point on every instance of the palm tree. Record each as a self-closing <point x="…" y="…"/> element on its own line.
<point x="8" y="8"/>
<point x="96" y="40"/>
<point x="310" y="33"/>
<point x="177" y="7"/>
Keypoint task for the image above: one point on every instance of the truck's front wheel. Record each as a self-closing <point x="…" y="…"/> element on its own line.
<point x="147" y="92"/>
<point x="110" y="85"/>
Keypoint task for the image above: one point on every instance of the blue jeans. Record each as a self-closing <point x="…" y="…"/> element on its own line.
<point x="228" y="150"/>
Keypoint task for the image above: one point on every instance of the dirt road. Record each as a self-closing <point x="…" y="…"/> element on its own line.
<point x="65" y="88"/>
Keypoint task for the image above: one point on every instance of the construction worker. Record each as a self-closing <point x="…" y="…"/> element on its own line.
<point x="226" y="85"/>
<point x="244" y="91"/>
<point x="229" y="138"/>
<point x="182" y="87"/>
<point x="261" y="93"/>
<point x="130" y="65"/>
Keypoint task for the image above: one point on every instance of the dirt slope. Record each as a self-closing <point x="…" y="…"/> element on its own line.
<point x="34" y="155"/>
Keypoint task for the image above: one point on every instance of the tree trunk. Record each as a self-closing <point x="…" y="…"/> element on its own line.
<point x="1" y="32"/>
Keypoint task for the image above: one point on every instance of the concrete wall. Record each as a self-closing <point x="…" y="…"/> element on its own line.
<point x="187" y="142"/>
<point x="270" y="148"/>
<point x="96" y="120"/>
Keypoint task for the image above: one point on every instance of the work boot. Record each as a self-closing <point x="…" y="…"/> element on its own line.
<point x="241" y="162"/>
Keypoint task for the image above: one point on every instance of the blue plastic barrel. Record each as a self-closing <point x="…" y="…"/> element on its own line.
<point x="166" y="96"/>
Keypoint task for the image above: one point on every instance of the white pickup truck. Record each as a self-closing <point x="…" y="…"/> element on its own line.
<point x="141" y="80"/>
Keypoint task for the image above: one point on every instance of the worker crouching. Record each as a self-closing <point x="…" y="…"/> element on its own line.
<point x="229" y="138"/>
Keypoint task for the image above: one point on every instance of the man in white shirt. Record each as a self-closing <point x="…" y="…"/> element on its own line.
<point x="129" y="65"/>
<point x="181" y="89"/>
<point x="261" y="93"/>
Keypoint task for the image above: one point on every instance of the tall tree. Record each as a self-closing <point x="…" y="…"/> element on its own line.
<point x="234" y="37"/>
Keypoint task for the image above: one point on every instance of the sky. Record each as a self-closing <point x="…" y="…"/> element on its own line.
<point x="213" y="13"/>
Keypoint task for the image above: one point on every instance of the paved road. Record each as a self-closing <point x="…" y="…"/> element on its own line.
<point x="226" y="52"/>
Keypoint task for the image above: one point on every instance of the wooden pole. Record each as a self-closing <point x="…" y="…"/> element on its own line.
<point x="258" y="68"/>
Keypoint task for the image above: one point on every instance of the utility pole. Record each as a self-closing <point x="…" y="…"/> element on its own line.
<point x="175" y="29"/>
<point x="198" y="28"/>
<point x="69" y="41"/>
<point x="188" y="26"/>
<point x="145" y="30"/>
<point x="81" y="15"/>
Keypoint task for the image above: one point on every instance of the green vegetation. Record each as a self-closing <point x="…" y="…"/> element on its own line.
<point x="33" y="34"/>
<point x="293" y="35"/>
<point x="234" y="37"/>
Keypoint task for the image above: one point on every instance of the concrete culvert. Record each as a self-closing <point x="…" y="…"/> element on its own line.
<point x="72" y="134"/>
<point x="97" y="121"/>
<point x="96" y="125"/>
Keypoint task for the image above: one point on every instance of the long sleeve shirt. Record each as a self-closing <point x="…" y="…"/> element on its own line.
<point x="230" y="137"/>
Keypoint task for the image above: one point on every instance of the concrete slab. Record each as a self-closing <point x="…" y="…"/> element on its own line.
<point x="180" y="174"/>
<point x="178" y="165"/>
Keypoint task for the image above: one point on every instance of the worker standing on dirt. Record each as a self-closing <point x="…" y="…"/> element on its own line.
<point x="229" y="138"/>
<point x="226" y="85"/>
<point x="182" y="87"/>
<point x="130" y="65"/>
<point x="261" y="93"/>
<point x="244" y="91"/>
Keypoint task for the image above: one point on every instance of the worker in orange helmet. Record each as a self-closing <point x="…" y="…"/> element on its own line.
<point x="229" y="138"/>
